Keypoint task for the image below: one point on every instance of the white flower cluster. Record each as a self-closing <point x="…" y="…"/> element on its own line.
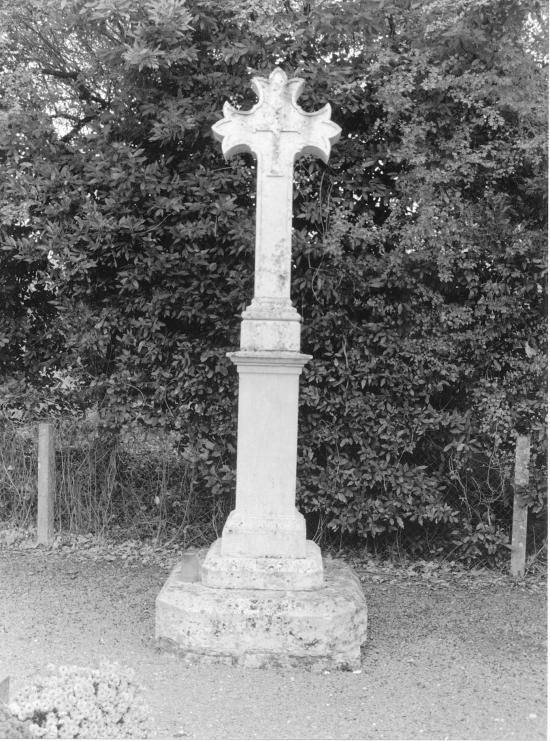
<point x="79" y="702"/>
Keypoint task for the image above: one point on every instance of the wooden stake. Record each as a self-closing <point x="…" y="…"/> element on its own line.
<point x="46" y="482"/>
<point x="519" y="520"/>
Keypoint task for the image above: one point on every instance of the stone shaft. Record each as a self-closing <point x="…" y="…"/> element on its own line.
<point x="276" y="131"/>
<point x="273" y="234"/>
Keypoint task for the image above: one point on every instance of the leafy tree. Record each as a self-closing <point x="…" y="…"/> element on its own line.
<point x="418" y="251"/>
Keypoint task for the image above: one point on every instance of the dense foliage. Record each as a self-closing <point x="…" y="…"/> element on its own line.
<point x="127" y="242"/>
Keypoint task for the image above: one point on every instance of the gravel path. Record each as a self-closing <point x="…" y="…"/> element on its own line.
<point x="455" y="656"/>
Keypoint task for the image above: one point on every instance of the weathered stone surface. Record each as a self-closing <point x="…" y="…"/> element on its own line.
<point x="265" y="522"/>
<point x="228" y="572"/>
<point x="316" y="629"/>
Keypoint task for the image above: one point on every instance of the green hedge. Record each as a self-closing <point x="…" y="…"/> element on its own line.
<point x="418" y="253"/>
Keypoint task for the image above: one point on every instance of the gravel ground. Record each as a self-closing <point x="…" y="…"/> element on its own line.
<point x="450" y="655"/>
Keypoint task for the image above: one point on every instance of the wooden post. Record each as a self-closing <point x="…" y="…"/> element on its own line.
<point x="519" y="520"/>
<point x="46" y="482"/>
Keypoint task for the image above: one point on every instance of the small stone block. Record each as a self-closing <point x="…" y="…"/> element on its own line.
<point x="316" y="629"/>
<point x="189" y="568"/>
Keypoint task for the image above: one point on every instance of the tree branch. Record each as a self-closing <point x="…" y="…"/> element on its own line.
<point x="77" y="127"/>
<point x="84" y="93"/>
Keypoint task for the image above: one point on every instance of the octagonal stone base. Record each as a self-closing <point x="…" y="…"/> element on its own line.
<point x="316" y="629"/>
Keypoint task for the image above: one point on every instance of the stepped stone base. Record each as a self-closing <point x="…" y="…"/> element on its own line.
<point x="316" y="629"/>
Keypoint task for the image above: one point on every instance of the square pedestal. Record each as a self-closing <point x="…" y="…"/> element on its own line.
<point x="317" y="629"/>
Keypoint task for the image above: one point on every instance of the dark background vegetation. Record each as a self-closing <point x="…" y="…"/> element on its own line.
<point x="127" y="248"/>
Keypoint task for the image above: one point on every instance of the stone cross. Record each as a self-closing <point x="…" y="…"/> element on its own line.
<point x="262" y="596"/>
<point x="277" y="131"/>
<point x="263" y="545"/>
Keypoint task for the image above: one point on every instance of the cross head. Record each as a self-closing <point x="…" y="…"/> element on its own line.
<point x="292" y="130"/>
